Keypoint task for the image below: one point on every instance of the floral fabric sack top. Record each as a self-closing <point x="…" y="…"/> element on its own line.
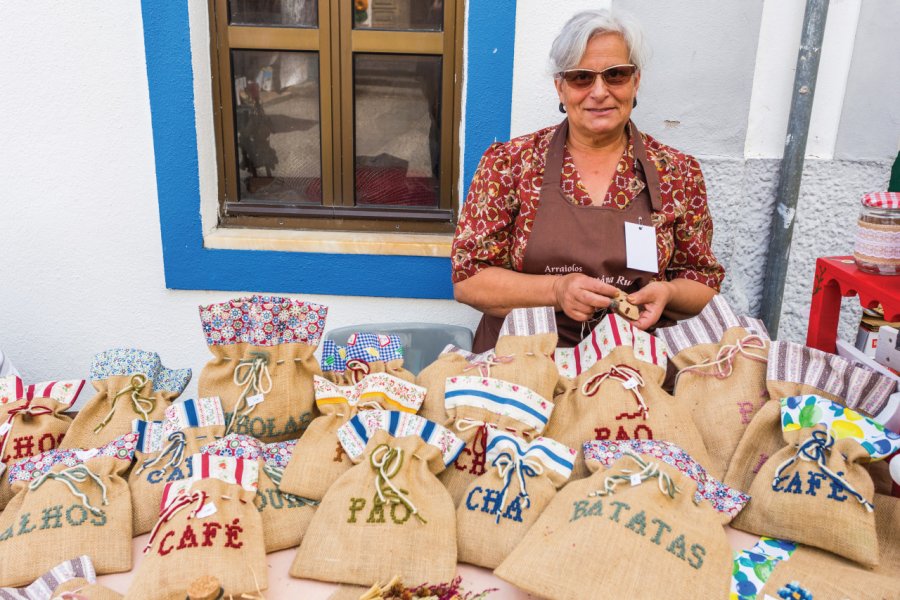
<point x="815" y="490"/>
<point x="207" y="525"/>
<point x="641" y="507"/>
<point x="131" y="384"/>
<point x="618" y="395"/>
<point x="32" y="421"/>
<point x="795" y="370"/>
<point x="365" y="353"/>
<point x="500" y="506"/>
<point x="162" y="449"/>
<point x="388" y="515"/>
<point x="285" y="517"/>
<point x="722" y="360"/>
<point x="263" y="363"/>
<point x="68" y="503"/>
<point x="320" y="459"/>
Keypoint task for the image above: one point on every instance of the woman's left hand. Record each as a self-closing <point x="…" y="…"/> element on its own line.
<point x="652" y="299"/>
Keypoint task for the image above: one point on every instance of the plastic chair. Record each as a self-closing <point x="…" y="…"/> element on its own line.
<point x="422" y="342"/>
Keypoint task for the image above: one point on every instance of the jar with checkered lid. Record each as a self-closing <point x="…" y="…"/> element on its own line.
<point x="877" y="247"/>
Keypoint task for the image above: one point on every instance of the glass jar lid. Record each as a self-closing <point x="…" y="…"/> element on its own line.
<point x="890" y="200"/>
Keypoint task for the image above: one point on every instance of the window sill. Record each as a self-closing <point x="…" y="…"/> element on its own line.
<point x="330" y="242"/>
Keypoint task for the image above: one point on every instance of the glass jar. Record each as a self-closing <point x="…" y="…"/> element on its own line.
<point x="877" y="247"/>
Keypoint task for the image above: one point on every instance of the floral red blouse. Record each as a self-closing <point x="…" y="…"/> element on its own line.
<point x="503" y="200"/>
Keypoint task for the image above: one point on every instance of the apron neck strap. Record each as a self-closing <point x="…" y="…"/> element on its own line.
<point x="651" y="175"/>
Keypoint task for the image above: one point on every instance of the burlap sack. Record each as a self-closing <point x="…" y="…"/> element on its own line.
<point x="32" y="421"/>
<point x="162" y="448"/>
<point x="364" y="353"/>
<point x="68" y="503"/>
<point x="388" y="515"/>
<point x="605" y="537"/>
<point x="795" y="370"/>
<point x="476" y="404"/>
<point x="207" y="526"/>
<point x="285" y="517"/>
<point x="501" y="505"/>
<point x="263" y="363"/>
<point x="320" y="459"/>
<point x="82" y="589"/>
<point x="130" y="384"/>
<point x="618" y="395"/>
<point x="451" y="362"/>
<point x="722" y="360"/>
<point x="818" y="478"/>
<point x="78" y="569"/>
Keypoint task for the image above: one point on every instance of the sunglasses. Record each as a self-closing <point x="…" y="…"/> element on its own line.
<point x="581" y="79"/>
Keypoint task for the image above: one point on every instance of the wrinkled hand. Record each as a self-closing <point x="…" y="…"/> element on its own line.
<point x="579" y="296"/>
<point x="652" y="300"/>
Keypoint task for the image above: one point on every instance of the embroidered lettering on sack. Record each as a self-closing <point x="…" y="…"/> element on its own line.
<point x="747" y="409"/>
<point x="478" y="452"/>
<point x="183" y="471"/>
<point x="640" y="432"/>
<point x="27" y="446"/>
<point x="339" y="453"/>
<point x="811" y="485"/>
<point x="259" y="427"/>
<point x="273" y="498"/>
<point x="380" y="512"/>
<point x="759" y="463"/>
<point x="54" y="517"/>
<point x="190" y="536"/>
<point x="488" y="501"/>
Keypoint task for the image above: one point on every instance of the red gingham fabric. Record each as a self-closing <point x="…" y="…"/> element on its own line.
<point x="882" y="200"/>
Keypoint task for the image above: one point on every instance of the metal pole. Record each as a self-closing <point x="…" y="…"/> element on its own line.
<point x="792" y="163"/>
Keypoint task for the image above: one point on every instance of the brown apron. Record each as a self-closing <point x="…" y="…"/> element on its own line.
<point x="565" y="238"/>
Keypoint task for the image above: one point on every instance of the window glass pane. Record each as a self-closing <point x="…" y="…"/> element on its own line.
<point x="402" y="15"/>
<point x="284" y="13"/>
<point x="397" y="116"/>
<point x="276" y="122"/>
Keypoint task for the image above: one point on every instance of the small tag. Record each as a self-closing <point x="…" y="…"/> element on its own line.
<point x="254" y="400"/>
<point x="208" y="509"/>
<point x="630" y="384"/>
<point x="5" y="428"/>
<point x="640" y="247"/>
<point x="86" y="454"/>
<point x="636" y="479"/>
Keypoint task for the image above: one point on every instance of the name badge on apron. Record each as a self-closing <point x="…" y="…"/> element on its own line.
<point x="640" y="247"/>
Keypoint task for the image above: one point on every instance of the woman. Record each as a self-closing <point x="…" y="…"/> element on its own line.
<point x="545" y="220"/>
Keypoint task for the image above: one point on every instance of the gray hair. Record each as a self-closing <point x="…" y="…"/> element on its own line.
<point x="569" y="45"/>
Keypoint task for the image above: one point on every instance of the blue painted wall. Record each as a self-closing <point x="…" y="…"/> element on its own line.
<point x="188" y="265"/>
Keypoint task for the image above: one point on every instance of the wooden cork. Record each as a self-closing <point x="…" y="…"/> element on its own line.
<point x="205" y="588"/>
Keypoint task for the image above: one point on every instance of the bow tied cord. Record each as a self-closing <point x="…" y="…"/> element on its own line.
<point x="814" y="450"/>
<point x="357" y="369"/>
<point x="24" y="412"/>
<point x="723" y="365"/>
<point x="623" y="374"/>
<point x="511" y="463"/>
<point x="177" y="443"/>
<point x="484" y="364"/>
<point x="648" y="470"/>
<point x="176" y="505"/>
<point x="275" y="474"/>
<point x="142" y="405"/>
<point x="253" y="374"/>
<point x="70" y="478"/>
<point x="387" y="462"/>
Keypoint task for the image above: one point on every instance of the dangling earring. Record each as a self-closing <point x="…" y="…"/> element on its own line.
<point x="634" y="103"/>
<point x="562" y="107"/>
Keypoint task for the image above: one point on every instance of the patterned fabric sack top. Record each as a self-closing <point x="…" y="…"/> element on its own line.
<point x="68" y="503"/>
<point x="388" y="515"/>
<point x="263" y="364"/>
<point x="32" y="420"/>
<point x="43" y="587"/>
<point x="500" y="506"/>
<point x="130" y="384"/>
<point x="818" y="478"/>
<point x="364" y="354"/>
<point x="207" y="525"/>
<point x="285" y="517"/>
<point x="722" y="360"/>
<point x="161" y="451"/>
<point x="640" y="507"/>
<point x="320" y="460"/>
<point x="475" y="404"/>
<point x="620" y="397"/>
<point x="753" y="567"/>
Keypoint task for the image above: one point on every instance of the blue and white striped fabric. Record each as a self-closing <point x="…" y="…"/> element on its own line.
<point x="194" y="413"/>
<point x="355" y="433"/>
<point x="553" y="455"/>
<point x="499" y="397"/>
<point x="151" y="435"/>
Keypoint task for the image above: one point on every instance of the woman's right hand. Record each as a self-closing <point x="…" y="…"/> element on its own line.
<point x="580" y="296"/>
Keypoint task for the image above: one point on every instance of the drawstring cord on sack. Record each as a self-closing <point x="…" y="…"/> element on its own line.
<point x="723" y="365"/>
<point x="70" y="477"/>
<point x="177" y="441"/>
<point x="484" y="364"/>
<point x="275" y="474"/>
<point x="174" y="507"/>
<point x="142" y="405"/>
<point x="250" y="373"/>
<point x="23" y="411"/>
<point x="813" y="450"/>
<point x="623" y="374"/>
<point x="357" y="369"/>
<point x="509" y="464"/>
<point x="387" y="462"/>
<point x="649" y="470"/>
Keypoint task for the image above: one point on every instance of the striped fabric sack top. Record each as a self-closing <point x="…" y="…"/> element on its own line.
<point x="364" y="354"/>
<point x="388" y="515"/>
<point x="207" y="523"/>
<point x="44" y="586"/>
<point x="500" y="506"/>
<point x="722" y="359"/>
<point x="320" y="459"/>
